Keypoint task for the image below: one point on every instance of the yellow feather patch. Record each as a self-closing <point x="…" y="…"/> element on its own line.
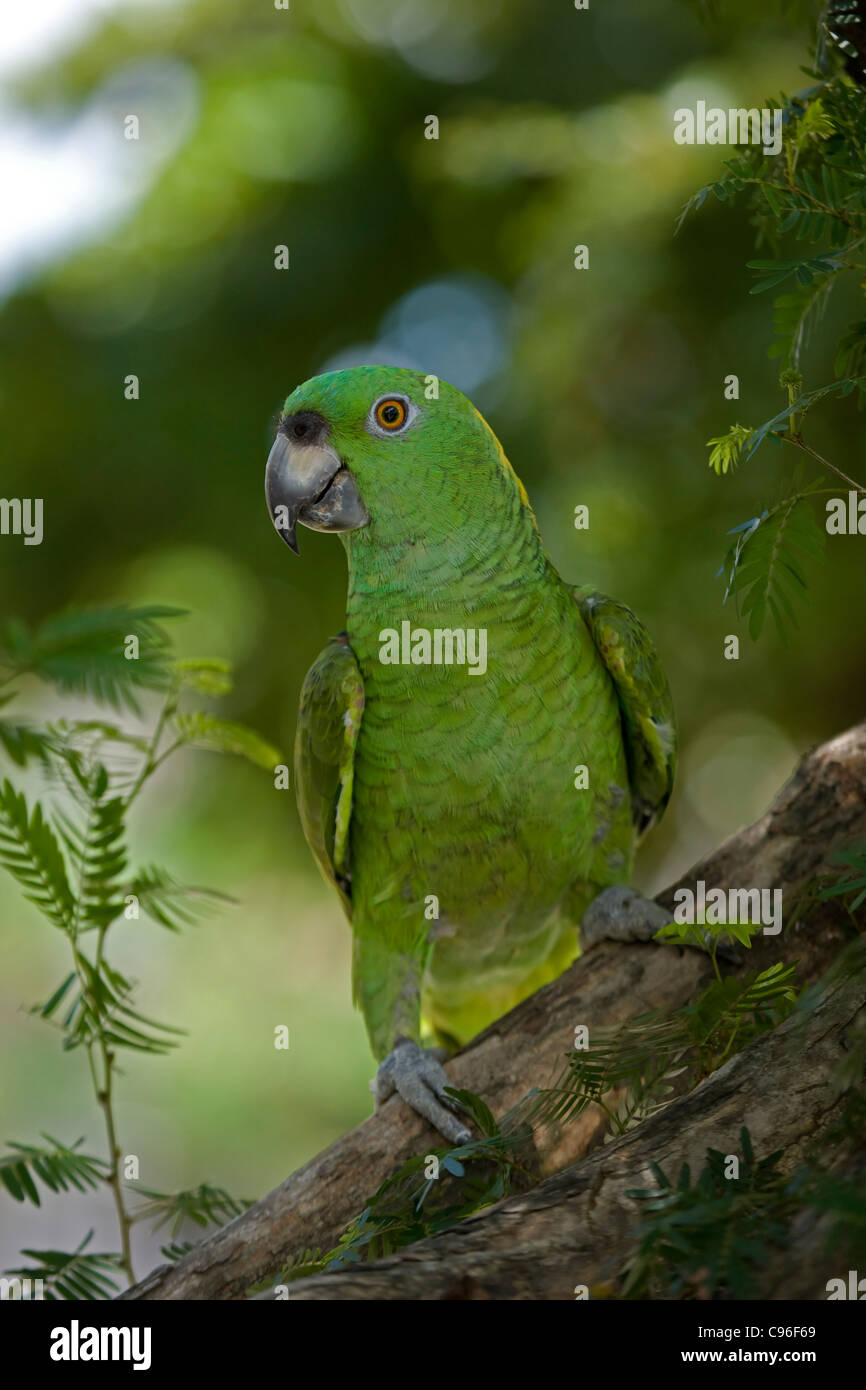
<point x="508" y="467"/>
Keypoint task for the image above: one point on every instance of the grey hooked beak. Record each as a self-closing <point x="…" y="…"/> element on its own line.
<point x="306" y="482"/>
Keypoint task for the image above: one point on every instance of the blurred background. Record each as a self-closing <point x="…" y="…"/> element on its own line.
<point x="305" y="127"/>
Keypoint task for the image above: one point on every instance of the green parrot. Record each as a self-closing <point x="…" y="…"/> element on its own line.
<point x="478" y="753"/>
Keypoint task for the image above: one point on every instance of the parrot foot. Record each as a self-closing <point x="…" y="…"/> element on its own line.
<point x="416" y="1075"/>
<point x="621" y="914"/>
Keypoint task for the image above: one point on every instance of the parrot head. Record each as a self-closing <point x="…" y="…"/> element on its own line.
<point x="384" y="449"/>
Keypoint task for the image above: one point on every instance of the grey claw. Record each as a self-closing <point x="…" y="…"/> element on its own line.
<point x="621" y="914"/>
<point x="419" y="1079"/>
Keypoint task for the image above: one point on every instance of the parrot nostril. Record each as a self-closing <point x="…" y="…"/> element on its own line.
<point x="305" y="427"/>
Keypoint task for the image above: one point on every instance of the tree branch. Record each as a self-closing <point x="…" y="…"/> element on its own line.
<point x="822" y="807"/>
<point x="577" y="1228"/>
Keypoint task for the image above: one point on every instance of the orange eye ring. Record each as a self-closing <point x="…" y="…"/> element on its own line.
<point x="391" y="413"/>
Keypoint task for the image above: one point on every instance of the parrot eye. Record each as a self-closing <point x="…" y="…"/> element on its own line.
<point x="389" y="414"/>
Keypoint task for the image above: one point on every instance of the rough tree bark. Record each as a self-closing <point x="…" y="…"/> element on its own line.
<point x="496" y="1255"/>
<point x="577" y="1228"/>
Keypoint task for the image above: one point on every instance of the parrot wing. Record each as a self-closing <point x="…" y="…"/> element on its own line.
<point x="648" y="721"/>
<point x="329" y="719"/>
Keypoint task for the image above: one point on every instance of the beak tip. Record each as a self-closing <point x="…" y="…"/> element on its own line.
<point x="289" y="535"/>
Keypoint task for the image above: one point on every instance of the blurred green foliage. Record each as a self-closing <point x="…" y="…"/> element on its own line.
<point x="306" y="127"/>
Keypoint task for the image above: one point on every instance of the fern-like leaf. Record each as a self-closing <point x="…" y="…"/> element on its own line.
<point x="84" y="653"/>
<point x="203" y="1205"/>
<point x="59" y="1167"/>
<point x="29" y="851"/>
<point x="851" y="882"/>
<point x="201" y="730"/>
<point x="794" y="316"/>
<point x="768" y="577"/>
<point x="798" y="408"/>
<point x="76" y="1275"/>
<point x="97" y="856"/>
<point x="726" y="450"/>
<point x="207" y="675"/>
<point x="172" y="904"/>
<point x="709" y="1237"/>
<point x="24" y="743"/>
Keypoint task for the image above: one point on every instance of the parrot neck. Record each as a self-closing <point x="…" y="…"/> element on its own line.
<point x="442" y="562"/>
<point x="492" y="575"/>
